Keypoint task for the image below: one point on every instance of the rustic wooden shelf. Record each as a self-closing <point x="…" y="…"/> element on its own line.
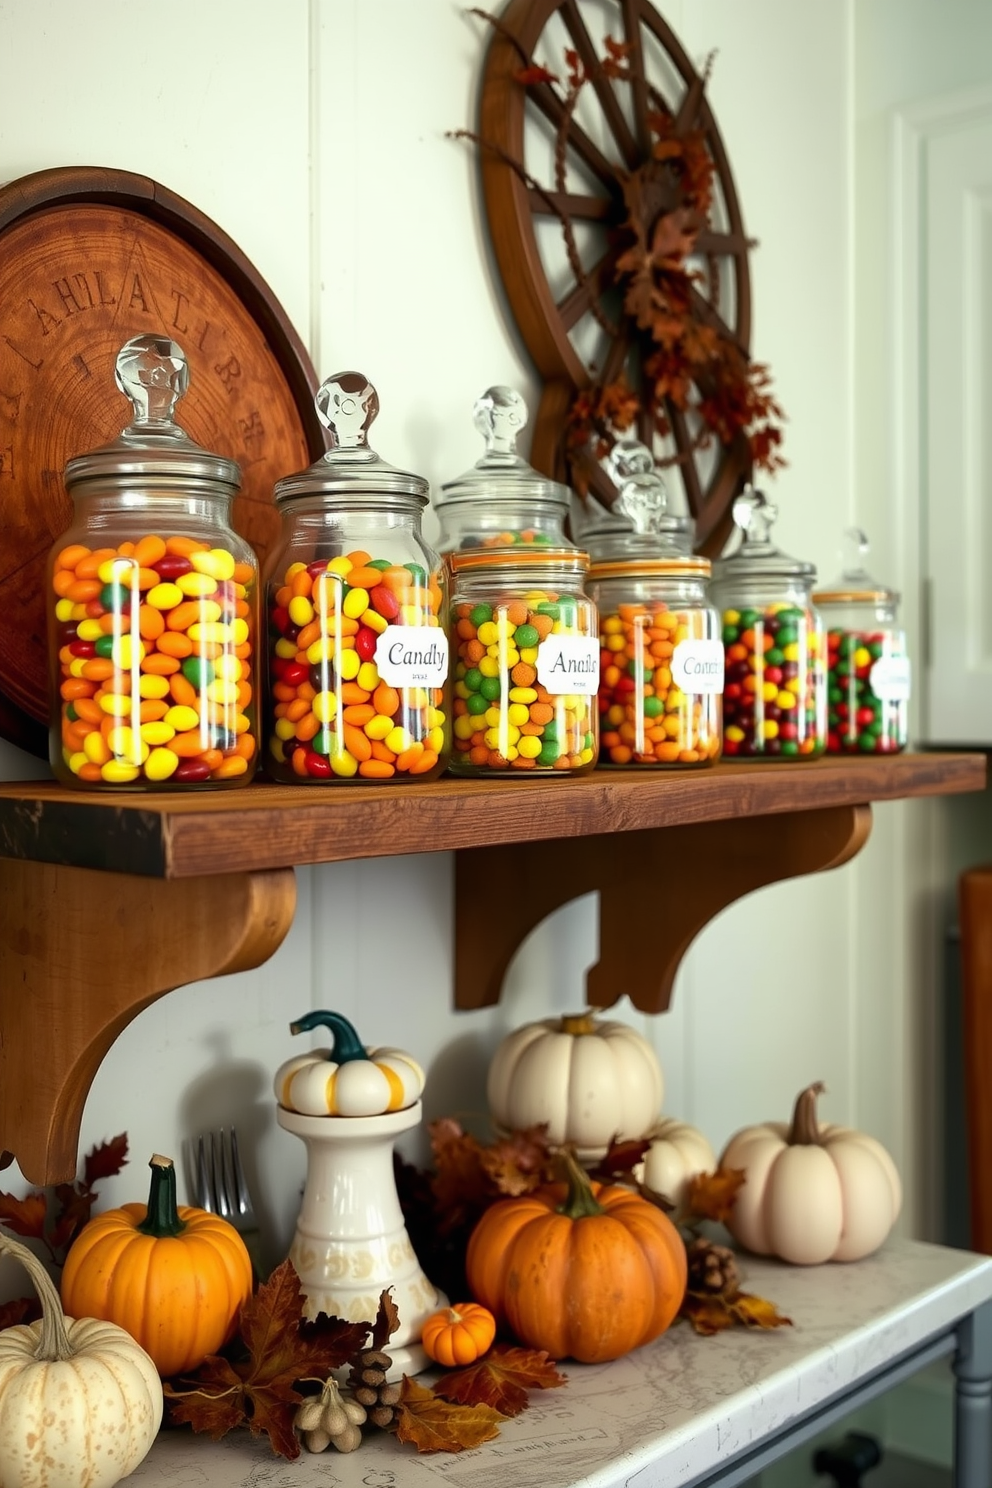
<point x="92" y="888"/>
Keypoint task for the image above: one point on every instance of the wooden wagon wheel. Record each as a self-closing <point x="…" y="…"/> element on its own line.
<point x="572" y="182"/>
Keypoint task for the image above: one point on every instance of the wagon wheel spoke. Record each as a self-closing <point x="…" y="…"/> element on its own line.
<point x="605" y="93"/>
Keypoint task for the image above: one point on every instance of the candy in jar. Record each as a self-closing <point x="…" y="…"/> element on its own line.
<point x="355" y="600"/>
<point x="153" y="603"/>
<point x="661" y="661"/>
<point x="526" y="662"/>
<point x="774" y="696"/>
<point x="868" y="668"/>
<point x="502" y="501"/>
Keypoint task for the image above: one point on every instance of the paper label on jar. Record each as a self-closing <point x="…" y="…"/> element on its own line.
<point x="412" y="656"/>
<point x="568" y="664"/>
<point x="697" y="666"/>
<point x="890" y="678"/>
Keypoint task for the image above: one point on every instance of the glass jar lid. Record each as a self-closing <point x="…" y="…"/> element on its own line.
<point x="755" y="554"/>
<point x="350" y="469"/>
<point x="153" y="372"/>
<point x="855" y="585"/>
<point x="500" y="474"/>
<point x="645" y="521"/>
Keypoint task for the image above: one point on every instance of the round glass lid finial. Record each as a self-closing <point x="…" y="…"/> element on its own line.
<point x="153" y="372"/>
<point x="755" y="516"/>
<point x="500" y="413"/>
<point x="347" y="404"/>
<point x="643" y="498"/>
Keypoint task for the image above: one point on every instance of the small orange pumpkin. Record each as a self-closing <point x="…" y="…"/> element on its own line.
<point x="173" y="1276"/>
<point x="458" y="1335"/>
<point x="580" y="1270"/>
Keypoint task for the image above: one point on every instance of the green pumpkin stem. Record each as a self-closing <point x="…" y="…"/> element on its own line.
<point x="805" y="1128"/>
<point x="347" y="1044"/>
<point x="162" y="1216"/>
<point x="53" y="1339"/>
<point x="580" y="1201"/>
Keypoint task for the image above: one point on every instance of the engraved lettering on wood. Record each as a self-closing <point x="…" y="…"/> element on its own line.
<point x="80" y="361"/>
<point x="46" y="319"/>
<point x="229" y="372"/>
<point x="23" y="355"/>
<point x="253" y="435"/>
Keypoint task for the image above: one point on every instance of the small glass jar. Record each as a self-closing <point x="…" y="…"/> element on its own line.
<point x="868" y="668"/>
<point x="774" y="696"/>
<point x="661" y="659"/>
<point x="502" y="501"/>
<point x="153" y="603"/>
<point x="526" y="663"/>
<point x="355" y="598"/>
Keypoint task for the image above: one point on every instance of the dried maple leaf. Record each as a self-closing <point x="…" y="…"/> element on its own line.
<point x="436" y="1425"/>
<point x="518" y="1163"/>
<point x="259" y="1391"/>
<point x="105" y="1160"/>
<point x="755" y="1312"/>
<point x="530" y="76"/>
<point x="712" y="1314"/>
<point x="25" y="1216"/>
<point x="501" y="1379"/>
<point x="387" y="1320"/>
<point x="712" y="1195"/>
<point x="460" y="1184"/>
<point x="620" y="1160"/>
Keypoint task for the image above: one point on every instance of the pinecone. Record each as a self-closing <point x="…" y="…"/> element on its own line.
<point x="367" y="1379"/>
<point x="712" y="1268"/>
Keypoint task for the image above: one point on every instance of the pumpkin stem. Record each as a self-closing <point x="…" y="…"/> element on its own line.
<point x="162" y="1215"/>
<point x="805" y="1128"/>
<point x="347" y="1044"/>
<point x="578" y="1023"/>
<point x="53" y="1341"/>
<point x="580" y="1201"/>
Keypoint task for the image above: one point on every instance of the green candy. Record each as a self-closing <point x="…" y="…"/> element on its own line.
<point x="547" y="608"/>
<point x="324" y="741"/>
<point x="473" y="679"/>
<point x="476" y="703"/>
<point x="652" y="707"/>
<point x="198" y="671"/>
<point x="490" y="688"/>
<point x="480" y="614"/>
<point x="419" y="572"/>
<point x="525" y="637"/>
<point x="550" y="751"/>
<point x="730" y="634"/>
<point x="380" y="563"/>
<point x="103" y="645"/>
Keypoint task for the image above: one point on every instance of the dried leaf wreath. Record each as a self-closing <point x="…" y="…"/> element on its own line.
<point x="684" y="346"/>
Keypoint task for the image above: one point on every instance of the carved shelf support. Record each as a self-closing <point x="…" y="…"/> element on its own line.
<point x="674" y="879"/>
<point x="81" y="953"/>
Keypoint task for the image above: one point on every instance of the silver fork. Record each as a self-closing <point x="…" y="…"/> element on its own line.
<point x="221" y="1188"/>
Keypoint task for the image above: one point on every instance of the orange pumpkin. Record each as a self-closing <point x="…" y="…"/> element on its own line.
<point x="580" y="1270"/>
<point x="173" y="1276"/>
<point x="458" y="1335"/>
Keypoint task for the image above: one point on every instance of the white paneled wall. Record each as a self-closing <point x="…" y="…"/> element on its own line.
<point x="315" y="135"/>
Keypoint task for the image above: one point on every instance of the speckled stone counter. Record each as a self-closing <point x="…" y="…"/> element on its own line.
<point x="686" y="1410"/>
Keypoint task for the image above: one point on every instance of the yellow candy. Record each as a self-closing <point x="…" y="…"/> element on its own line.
<point x="160" y="764"/>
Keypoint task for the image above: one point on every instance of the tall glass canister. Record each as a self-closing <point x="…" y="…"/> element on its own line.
<point x="868" y="666"/>
<point x="153" y="603"/>
<point x="355" y="600"/>
<point x="775" y="695"/>
<point x="661" y="657"/>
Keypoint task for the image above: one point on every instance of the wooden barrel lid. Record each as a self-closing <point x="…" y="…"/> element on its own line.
<point x="88" y="259"/>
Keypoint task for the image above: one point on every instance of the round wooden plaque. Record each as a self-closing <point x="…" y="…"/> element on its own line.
<point x="88" y="259"/>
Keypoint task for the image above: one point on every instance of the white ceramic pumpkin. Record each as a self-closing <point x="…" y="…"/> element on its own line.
<point x="590" y="1080"/>
<point x="348" y="1080"/>
<point x="80" y="1401"/>
<point x="677" y="1153"/>
<point x="812" y="1193"/>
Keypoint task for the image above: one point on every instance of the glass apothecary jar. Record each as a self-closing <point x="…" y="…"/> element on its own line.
<point x="153" y="597"/>
<point x="502" y="501"/>
<point x="526" y="662"/>
<point x="774" y="696"/>
<point x="868" y="667"/>
<point x="355" y="599"/>
<point x="661" y="657"/>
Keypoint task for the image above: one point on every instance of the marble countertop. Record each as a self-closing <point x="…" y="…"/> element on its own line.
<point x="667" y="1414"/>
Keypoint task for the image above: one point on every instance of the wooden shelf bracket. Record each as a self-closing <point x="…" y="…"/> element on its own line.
<point x="668" y="882"/>
<point x="81" y="953"/>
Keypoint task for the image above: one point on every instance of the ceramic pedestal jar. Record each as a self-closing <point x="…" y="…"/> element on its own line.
<point x="348" y="1105"/>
